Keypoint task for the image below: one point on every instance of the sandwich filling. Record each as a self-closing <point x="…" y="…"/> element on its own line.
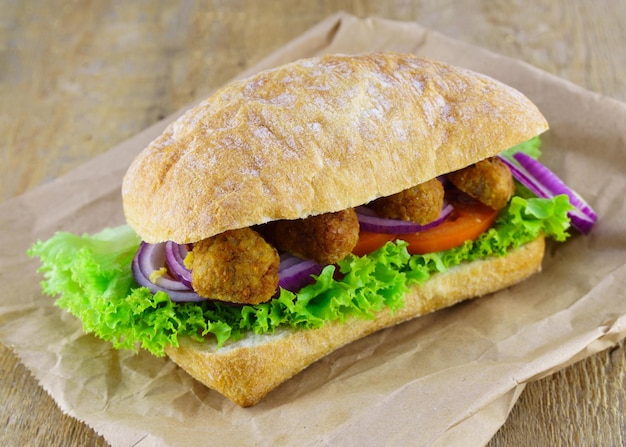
<point x="93" y="274"/>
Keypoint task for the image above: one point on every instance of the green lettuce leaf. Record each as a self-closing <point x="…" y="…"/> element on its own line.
<point x="530" y="148"/>
<point x="92" y="278"/>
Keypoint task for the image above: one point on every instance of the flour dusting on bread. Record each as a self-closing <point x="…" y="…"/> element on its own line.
<point x="317" y="136"/>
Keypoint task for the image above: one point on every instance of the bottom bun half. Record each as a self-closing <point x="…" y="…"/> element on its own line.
<point x="246" y="370"/>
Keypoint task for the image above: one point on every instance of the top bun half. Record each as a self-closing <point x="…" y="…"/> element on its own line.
<point x="315" y="136"/>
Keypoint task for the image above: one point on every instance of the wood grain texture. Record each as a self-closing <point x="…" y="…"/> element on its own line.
<point x="78" y="77"/>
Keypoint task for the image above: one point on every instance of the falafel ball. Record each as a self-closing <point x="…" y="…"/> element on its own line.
<point x="236" y="266"/>
<point x="489" y="181"/>
<point x="421" y="204"/>
<point x="325" y="238"/>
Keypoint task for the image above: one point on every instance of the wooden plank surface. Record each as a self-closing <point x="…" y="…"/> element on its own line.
<point x="78" y="77"/>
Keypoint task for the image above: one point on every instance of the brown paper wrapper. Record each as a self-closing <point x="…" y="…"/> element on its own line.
<point x="449" y="378"/>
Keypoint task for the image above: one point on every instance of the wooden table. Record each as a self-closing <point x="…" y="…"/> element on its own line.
<point x="78" y="77"/>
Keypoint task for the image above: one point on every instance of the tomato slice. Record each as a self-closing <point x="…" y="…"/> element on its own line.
<point x="370" y="241"/>
<point x="468" y="221"/>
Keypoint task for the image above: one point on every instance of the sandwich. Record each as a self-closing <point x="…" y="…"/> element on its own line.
<point x="307" y="206"/>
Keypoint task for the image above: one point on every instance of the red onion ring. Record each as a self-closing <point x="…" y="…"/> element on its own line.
<point x="287" y="260"/>
<point x="295" y="273"/>
<point x="369" y="221"/>
<point x="150" y="258"/>
<point x="175" y="257"/>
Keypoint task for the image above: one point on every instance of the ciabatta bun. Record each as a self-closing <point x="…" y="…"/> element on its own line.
<point x="316" y="136"/>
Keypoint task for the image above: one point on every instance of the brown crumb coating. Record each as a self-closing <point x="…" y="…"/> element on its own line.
<point x="489" y="181"/>
<point x="326" y="238"/>
<point x="421" y="204"/>
<point x="236" y="266"/>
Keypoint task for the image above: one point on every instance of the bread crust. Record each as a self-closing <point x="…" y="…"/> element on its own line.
<point x="315" y="136"/>
<point x="246" y="370"/>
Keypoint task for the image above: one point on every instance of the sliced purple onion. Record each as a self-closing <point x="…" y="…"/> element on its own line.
<point x="287" y="260"/>
<point x="150" y="258"/>
<point x="544" y="183"/>
<point x="369" y="221"/>
<point x="295" y="273"/>
<point x="175" y="257"/>
<point x="581" y="221"/>
<point x="525" y="178"/>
